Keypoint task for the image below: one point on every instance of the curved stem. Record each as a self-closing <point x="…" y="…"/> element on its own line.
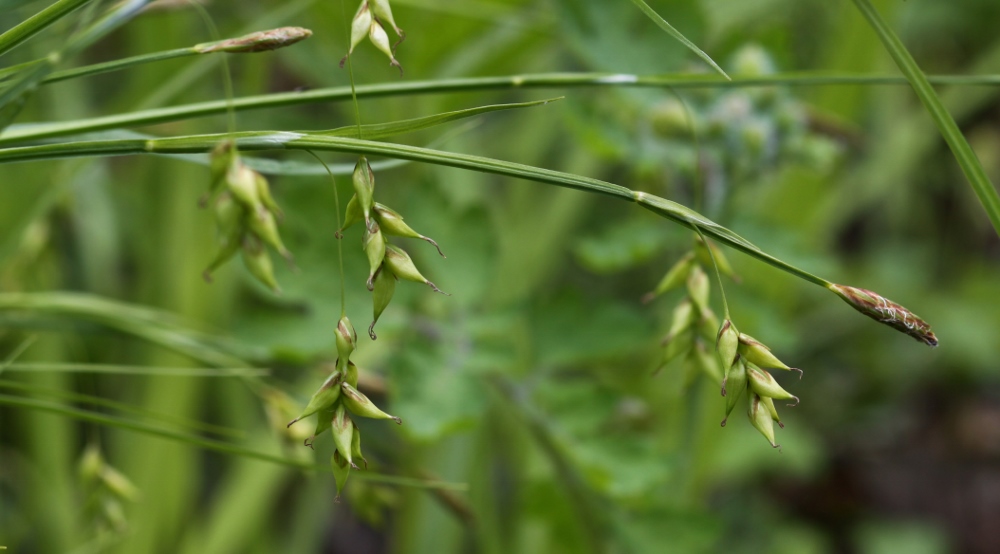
<point x="539" y="81"/>
<point x="257" y="140"/>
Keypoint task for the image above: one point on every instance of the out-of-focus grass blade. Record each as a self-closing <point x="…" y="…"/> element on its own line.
<point x="125" y="409"/>
<point x="36" y="23"/>
<point x="966" y="157"/>
<point x="651" y="13"/>
<point x="156" y="326"/>
<point x="116" y="369"/>
<point x="209" y="444"/>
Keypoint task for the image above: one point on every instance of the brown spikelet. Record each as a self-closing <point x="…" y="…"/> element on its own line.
<point x="886" y="311"/>
<point x="260" y="41"/>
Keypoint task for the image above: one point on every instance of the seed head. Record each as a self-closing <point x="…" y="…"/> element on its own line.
<point x="261" y="41"/>
<point x="726" y="343"/>
<point x="763" y="384"/>
<point x="733" y="385"/>
<point x="385" y="286"/>
<point x="698" y="287"/>
<point x="257" y="260"/>
<point x="347" y="340"/>
<point x="761" y="419"/>
<point x="359" y="404"/>
<point x="885" y="311"/>
<point x="375" y="248"/>
<point x="757" y="353"/>
<point x="392" y="224"/>
<point x="675" y="276"/>
<point x="381" y="41"/>
<point x="324" y="398"/>
<point x="401" y="265"/>
<point x="363" y="180"/>
<point x="343" y="433"/>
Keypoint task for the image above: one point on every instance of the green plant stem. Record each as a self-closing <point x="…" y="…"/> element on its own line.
<point x="257" y="140"/>
<point x="209" y="444"/>
<point x="104" y="67"/>
<point x="964" y="154"/>
<point x="539" y="81"/>
<point x="36" y="23"/>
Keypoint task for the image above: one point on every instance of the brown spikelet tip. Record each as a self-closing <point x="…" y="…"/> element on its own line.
<point x="886" y="311"/>
<point x="398" y="421"/>
<point x="261" y="41"/>
<point x="724" y="422"/>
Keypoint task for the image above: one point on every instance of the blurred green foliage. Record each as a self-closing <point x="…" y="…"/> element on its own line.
<point x="532" y="383"/>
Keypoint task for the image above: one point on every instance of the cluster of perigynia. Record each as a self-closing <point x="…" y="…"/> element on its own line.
<point x="335" y="401"/>
<point x="386" y="262"/>
<point x="740" y="358"/>
<point x="246" y="215"/>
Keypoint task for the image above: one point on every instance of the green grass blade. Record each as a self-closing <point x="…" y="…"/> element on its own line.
<point x="125" y="409"/>
<point x="378" y="131"/>
<point x="256" y="140"/>
<point x="209" y="444"/>
<point x="966" y="157"/>
<point x="36" y="23"/>
<point x="31" y="77"/>
<point x="662" y="23"/>
<point x="35" y="131"/>
<point x="117" y="369"/>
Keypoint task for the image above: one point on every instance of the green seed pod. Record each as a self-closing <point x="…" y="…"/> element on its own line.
<point x="698" y="287"/>
<point x="674" y="278"/>
<point x="733" y="386"/>
<point x="356" y="445"/>
<point x="219" y="161"/>
<point x="680" y="322"/>
<point x="401" y="265"/>
<point x="324" y="397"/>
<point x="90" y="464"/>
<point x="760" y="417"/>
<point x="229" y="221"/>
<point x="707" y="362"/>
<point x="758" y="354"/>
<point x="769" y="404"/>
<point x="702" y="253"/>
<point x="341" y="471"/>
<point x="114" y="514"/>
<point x="359" y="404"/>
<point x="708" y="325"/>
<point x="364" y="188"/>
<point x="352" y="215"/>
<point x="323" y="419"/>
<point x="256" y="259"/>
<point x="242" y="184"/>
<point x="262" y="223"/>
<point x="381" y="41"/>
<point x="351" y="375"/>
<point x="392" y="224"/>
<point x="726" y="342"/>
<point x="678" y="345"/>
<point x="375" y="248"/>
<point x="763" y="383"/>
<point x="264" y="192"/>
<point x="343" y="433"/>
<point x="347" y="340"/>
<point x="382" y="11"/>
<point x="118" y="484"/>
<point x="385" y="286"/>
<point x="360" y="25"/>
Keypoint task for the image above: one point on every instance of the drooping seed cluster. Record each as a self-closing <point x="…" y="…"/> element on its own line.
<point x="387" y="262"/>
<point x="369" y="21"/>
<point x="106" y="491"/>
<point x="246" y="215"/>
<point x="740" y="358"/>
<point x="335" y="401"/>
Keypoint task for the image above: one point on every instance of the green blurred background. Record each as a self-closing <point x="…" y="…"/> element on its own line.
<point x="531" y="385"/>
